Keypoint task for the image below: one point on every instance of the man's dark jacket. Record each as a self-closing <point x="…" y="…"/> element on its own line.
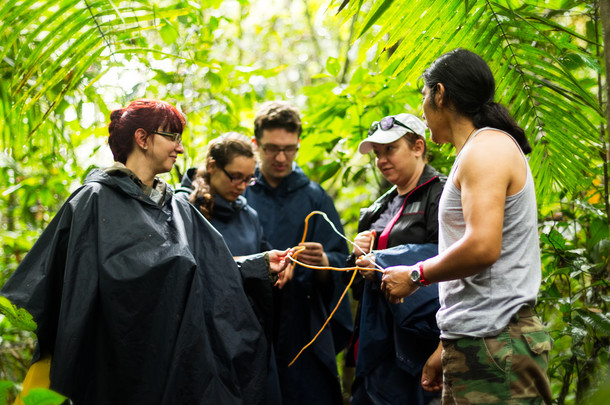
<point x="305" y="303"/>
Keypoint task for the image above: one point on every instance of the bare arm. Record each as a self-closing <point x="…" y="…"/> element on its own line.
<point x="489" y="169"/>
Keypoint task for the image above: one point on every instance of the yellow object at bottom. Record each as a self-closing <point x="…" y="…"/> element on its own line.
<point x="37" y="377"/>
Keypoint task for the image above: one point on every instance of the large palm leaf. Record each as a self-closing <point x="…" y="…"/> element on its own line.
<point x="541" y="73"/>
<point x="53" y="48"/>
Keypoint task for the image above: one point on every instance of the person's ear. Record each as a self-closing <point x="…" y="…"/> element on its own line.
<point x="439" y="95"/>
<point x="419" y="147"/>
<point x="141" y="138"/>
<point x="211" y="167"/>
<point x="254" y="144"/>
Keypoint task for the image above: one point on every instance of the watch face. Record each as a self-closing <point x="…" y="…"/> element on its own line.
<point x="415" y="276"/>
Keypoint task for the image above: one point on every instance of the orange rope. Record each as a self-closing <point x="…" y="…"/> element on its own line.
<point x="299" y="249"/>
<point x="327" y="320"/>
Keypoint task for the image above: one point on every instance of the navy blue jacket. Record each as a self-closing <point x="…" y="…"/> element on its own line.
<point x="305" y="303"/>
<point x="396" y="340"/>
<point x="239" y="225"/>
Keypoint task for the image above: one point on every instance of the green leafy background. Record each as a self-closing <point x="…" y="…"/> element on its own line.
<point x="65" y="64"/>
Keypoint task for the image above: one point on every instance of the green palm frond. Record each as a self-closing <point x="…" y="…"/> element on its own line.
<point x="49" y="49"/>
<point x="540" y="65"/>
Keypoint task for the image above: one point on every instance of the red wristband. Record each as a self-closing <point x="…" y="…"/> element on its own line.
<point x="421" y="274"/>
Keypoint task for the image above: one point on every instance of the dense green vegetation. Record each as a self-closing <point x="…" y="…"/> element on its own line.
<point x="64" y="64"/>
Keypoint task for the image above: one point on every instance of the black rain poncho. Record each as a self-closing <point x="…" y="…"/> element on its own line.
<point x="139" y="303"/>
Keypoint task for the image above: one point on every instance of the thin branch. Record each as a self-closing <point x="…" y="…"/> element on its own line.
<point x="346" y="63"/>
<point x="99" y="28"/>
<point x="314" y="39"/>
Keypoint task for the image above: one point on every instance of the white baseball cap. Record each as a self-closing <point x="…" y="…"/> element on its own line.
<point x="410" y="123"/>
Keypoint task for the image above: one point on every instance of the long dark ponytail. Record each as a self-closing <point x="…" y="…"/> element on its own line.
<point x="470" y="88"/>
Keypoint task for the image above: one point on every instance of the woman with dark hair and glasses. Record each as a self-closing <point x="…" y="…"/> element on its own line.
<point x="216" y="189"/>
<point x="494" y="347"/>
<point x="393" y="341"/>
<point x="136" y="297"/>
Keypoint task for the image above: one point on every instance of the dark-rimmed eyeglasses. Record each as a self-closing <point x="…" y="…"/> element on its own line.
<point x="274" y="150"/>
<point x="235" y="180"/>
<point x="174" y="136"/>
<point x="386" y="124"/>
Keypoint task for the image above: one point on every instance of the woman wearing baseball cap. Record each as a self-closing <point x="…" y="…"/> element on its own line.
<point x="393" y="341"/>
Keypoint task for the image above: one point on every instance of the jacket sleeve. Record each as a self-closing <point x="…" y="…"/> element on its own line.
<point x="258" y="287"/>
<point x="37" y="283"/>
<point x="416" y="334"/>
<point x="416" y="314"/>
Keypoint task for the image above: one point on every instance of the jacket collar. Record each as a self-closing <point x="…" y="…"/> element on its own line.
<point x="188" y="177"/>
<point x="368" y="215"/>
<point x="429" y="173"/>
<point x="295" y="180"/>
<point x="225" y="210"/>
<point x="124" y="180"/>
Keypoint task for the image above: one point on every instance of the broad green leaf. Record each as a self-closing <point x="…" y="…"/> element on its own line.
<point x="381" y="7"/>
<point x="555" y="239"/>
<point x="42" y="396"/>
<point x="598" y="321"/>
<point x="552" y="291"/>
<point x="599" y="230"/>
<point x="168" y="33"/>
<point x="329" y="170"/>
<point x="5" y="386"/>
<point x="19" y="317"/>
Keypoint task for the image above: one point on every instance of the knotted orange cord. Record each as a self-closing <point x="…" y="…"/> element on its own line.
<point x="299" y="249"/>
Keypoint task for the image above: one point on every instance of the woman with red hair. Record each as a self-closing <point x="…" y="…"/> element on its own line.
<point x="136" y="297"/>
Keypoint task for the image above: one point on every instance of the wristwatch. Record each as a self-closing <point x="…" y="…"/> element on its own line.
<point x="417" y="276"/>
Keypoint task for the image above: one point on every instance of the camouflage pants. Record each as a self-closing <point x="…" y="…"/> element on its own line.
<point x="506" y="369"/>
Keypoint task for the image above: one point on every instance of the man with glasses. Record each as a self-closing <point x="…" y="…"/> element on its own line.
<point x="283" y="196"/>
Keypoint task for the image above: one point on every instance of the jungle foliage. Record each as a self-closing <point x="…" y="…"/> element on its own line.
<point x="65" y="64"/>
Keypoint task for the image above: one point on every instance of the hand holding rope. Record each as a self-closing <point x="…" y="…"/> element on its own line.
<point x="298" y="249"/>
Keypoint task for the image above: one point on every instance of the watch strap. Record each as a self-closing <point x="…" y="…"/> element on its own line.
<point x="421" y="274"/>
